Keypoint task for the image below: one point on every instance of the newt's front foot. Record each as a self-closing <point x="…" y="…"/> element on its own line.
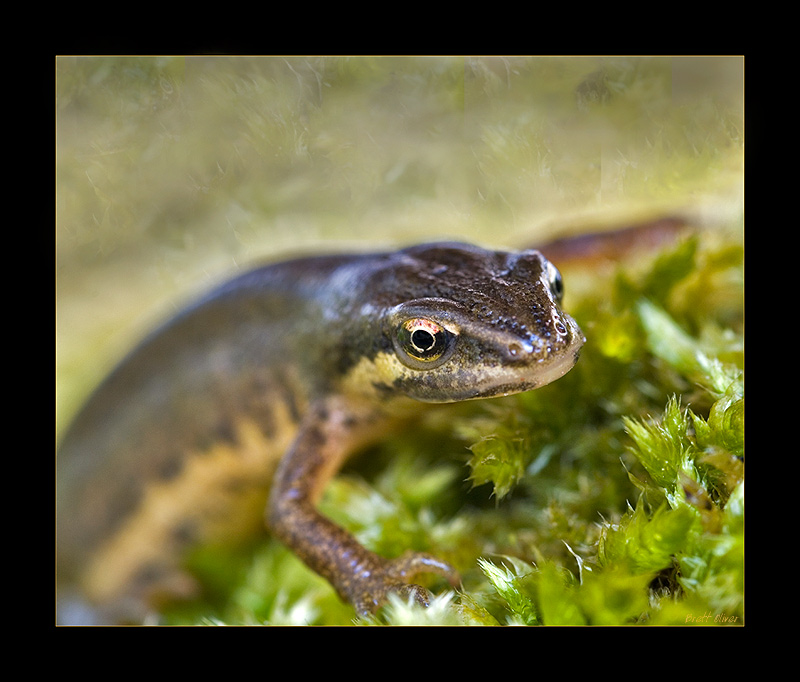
<point x="372" y="584"/>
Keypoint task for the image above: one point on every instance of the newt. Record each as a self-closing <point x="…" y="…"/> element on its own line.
<point x="238" y="411"/>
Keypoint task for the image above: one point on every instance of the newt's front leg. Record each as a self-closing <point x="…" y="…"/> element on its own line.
<point x="329" y="433"/>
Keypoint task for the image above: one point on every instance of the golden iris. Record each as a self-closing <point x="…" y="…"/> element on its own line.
<point x="422" y="339"/>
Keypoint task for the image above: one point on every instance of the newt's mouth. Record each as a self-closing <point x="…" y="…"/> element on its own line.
<point x="510" y="382"/>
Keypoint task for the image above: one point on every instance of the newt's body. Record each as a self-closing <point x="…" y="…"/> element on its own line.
<point x="241" y="408"/>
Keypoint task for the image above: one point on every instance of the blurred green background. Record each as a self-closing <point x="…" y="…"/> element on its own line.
<point x="175" y="172"/>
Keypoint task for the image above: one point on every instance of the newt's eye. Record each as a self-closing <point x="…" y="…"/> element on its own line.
<point x="555" y="282"/>
<point x="423" y="342"/>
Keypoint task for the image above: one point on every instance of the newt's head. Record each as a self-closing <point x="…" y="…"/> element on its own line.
<point x="458" y="322"/>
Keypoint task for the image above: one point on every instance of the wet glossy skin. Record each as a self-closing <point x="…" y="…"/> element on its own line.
<point x="243" y="407"/>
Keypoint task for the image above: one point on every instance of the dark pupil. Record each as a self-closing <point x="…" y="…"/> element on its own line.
<point x="423" y="340"/>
